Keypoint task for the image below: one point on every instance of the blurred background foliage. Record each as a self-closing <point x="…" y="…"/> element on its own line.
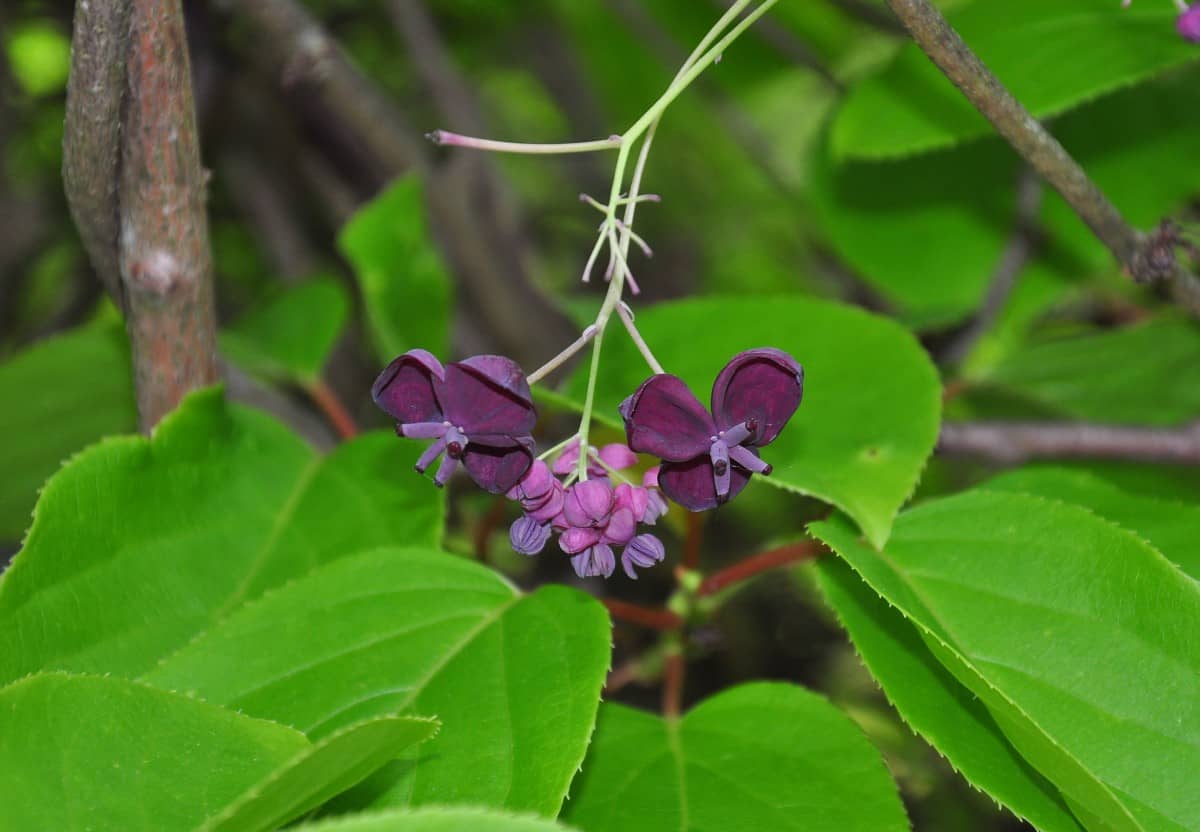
<point x="821" y="157"/>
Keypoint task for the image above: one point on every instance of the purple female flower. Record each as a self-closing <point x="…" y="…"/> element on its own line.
<point x="708" y="459"/>
<point x="528" y="536"/>
<point x="478" y="411"/>
<point x="1188" y="23"/>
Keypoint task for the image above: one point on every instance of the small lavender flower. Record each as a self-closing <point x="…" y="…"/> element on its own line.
<point x="643" y="551"/>
<point x="478" y="411"/>
<point x="528" y="536"/>
<point x="539" y="493"/>
<point x="708" y="459"/>
<point x="1188" y="23"/>
<point x="595" y="562"/>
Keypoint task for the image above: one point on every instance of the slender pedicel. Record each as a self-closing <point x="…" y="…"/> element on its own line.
<point x="446" y="138"/>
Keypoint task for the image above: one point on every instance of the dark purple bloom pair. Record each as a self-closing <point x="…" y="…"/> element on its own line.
<point x="708" y="459"/>
<point x="478" y="412"/>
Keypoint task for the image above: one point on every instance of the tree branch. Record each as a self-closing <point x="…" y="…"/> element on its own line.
<point x="132" y="175"/>
<point x="92" y="130"/>
<point x="1015" y="442"/>
<point x="1145" y="261"/>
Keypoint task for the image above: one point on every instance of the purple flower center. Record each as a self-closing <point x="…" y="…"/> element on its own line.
<point x="726" y="446"/>
<point x="450" y="439"/>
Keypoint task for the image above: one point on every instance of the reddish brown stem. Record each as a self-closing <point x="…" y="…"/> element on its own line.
<point x="757" y="564"/>
<point x="487" y="524"/>
<point x="339" y="417"/>
<point x="674" y="674"/>
<point x="663" y="620"/>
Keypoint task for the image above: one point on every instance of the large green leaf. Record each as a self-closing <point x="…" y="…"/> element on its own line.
<point x="925" y="233"/>
<point x="59" y="395"/>
<point x="1078" y="636"/>
<point x="759" y="756"/>
<point x="320" y="772"/>
<point x="936" y="705"/>
<point x="871" y="400"/>
<point x="290" y="337"/>
<point x="1141" y="374"/>
<point x="140" y="544"/>
<point x="436" y="820"/>
<point x="1052" y="54"/>
<point x="91" y="752"/>
<point x="514" y="678"/>
<point x="406" y="290"/>
<point x="1169" y="526"/>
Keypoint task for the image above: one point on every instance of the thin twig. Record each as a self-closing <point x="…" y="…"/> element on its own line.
<point x="757" y="564"/>
<point x="1017" y="253"/>
<point x="674" y="675"/>
<point x="946" y="48"/>
<point x="326" y="399"/>
<point x="655" y="619"/>
<point x="563" y="357"/>
<point x="1013" y="442"/>
<point x="627" y="319"/>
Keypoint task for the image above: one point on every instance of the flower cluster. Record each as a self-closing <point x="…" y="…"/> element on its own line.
<point x="479" y="412"/>
<point x="591" y="516"/>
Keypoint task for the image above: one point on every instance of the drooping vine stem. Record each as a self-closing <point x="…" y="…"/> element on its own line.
<point x="1141" y="256"/>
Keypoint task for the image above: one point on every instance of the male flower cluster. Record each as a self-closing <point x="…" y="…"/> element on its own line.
<point x="479" y="412"/>
<point x="592" y="516"/>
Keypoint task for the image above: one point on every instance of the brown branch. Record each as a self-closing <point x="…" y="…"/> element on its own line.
<point x="165" y="259"/>
<point x="757" y="564"/>
<point x="1014" y="442"/>
<point x="674" y="675"/>
<point x="92" y="130"/>
<point x="326" y="399"/>
<point x="1017" y="252"/>
<point x="132" y="175"/>
<point x="1132" y="249"/>
<point x="309" y="57"/>
<point x="655" y="619"/>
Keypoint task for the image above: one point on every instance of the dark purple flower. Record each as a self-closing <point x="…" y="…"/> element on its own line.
<point x="528" y="536"/>
<point x="595" y="562"/>
<point x="708" y="459"/>
<point x="478" y="411"/>
<point x="1188" y="23"/>
<point x="643" y="551"/>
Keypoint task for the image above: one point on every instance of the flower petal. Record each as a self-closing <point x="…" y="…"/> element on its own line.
<point x="496" y="467"/>
<point x="537" y="483"/>
<point x="588" y="503"/>
<point x="548" y="507"/>
<point x="405" y="389"/>
<point x="621" y="527"/>
<point x="643" y="551"/>
<point x="596" y="562"/>
<point x="568" y="459"/>
<point x="763" y="386"/>
<point x="575" y="539"/>
<point x="528" y="536"/>
<point x="691" y="483"/>
<point x="618" y="456"/>
<point x="488" y="394"/>
<point x="664" y="418"/>
<point x="632" y="497"/>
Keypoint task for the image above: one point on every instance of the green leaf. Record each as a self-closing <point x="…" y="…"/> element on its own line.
<point x="435" y="820"/>
<point x="90" y="752"/>
<point x="1145" y="373"/>
<point x="871" y="400"/>
<point x="1051" y="54"/>
<point x="514" y="678"/>
<point x="1168" y="526"/>
<point x="59" y="395"/>
<point x="925" y="233"/>
<point x="39" y="53"/>
<point x="758" y="756"/>
<point x="1077" y="635"/>
<point x="290" y="337"/>
<point x="320" y="772"/>
<point x="406" y="290"/>
<point x="139" y="544"/>
<point x="933" y="702"/>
